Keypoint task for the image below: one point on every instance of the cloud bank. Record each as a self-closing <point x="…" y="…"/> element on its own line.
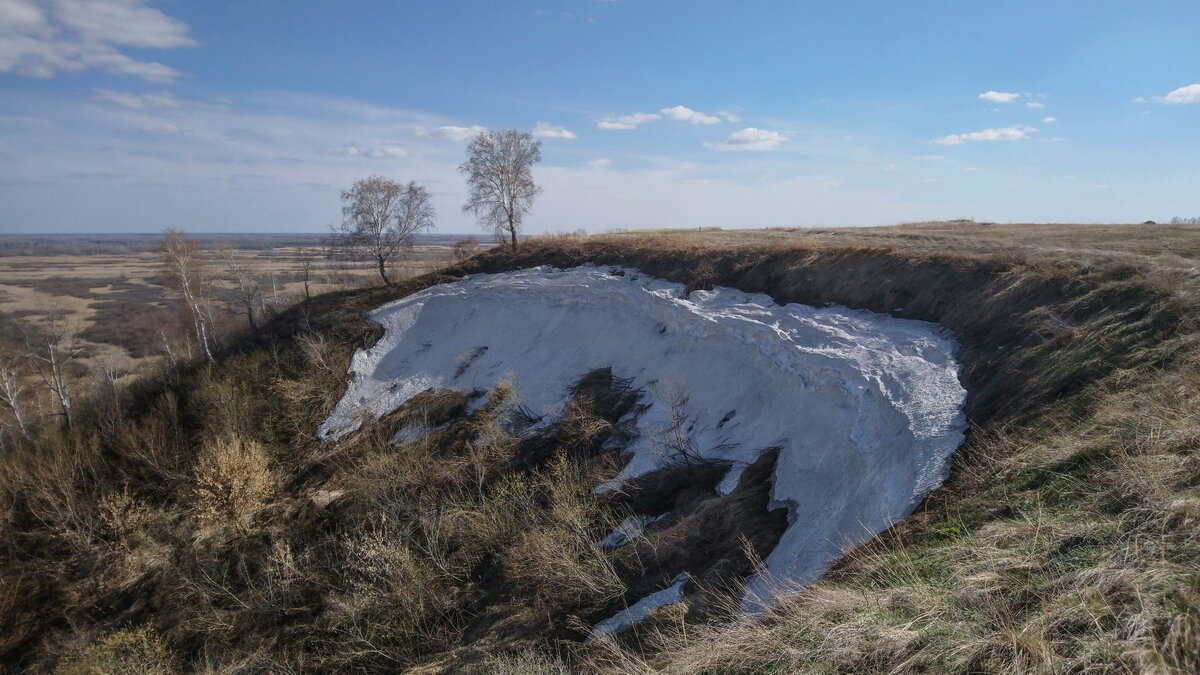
<point x="1014" y="133"/>
<point x="46" y="38"/>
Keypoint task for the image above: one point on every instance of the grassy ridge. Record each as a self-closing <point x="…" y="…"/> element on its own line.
<point x="196" y="524"/>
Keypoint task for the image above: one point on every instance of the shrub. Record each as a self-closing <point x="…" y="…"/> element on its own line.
<point x="136" y="651"/>
<point x="466" y="247"/>
<point x="123" y="515"/>
<point x="232" y="482"/>
<point x="525" y="662"/>
<point x="557" y="558"/>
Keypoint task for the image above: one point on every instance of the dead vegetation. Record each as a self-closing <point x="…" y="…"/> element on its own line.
<point x="201" y="527"/>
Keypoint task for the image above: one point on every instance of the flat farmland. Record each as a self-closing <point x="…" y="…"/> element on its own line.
<point x="110" y="289"/>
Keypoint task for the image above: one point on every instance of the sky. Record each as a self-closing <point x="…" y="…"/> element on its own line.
<point x="253" y="115"/>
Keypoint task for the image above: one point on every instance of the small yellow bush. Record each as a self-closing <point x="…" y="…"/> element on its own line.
<point x="233" y="482"/>
<point x="124" y="515"/>
<point x="139" y="651"/>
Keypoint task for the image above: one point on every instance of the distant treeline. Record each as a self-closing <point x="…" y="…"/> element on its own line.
<point x="120" y="244"/>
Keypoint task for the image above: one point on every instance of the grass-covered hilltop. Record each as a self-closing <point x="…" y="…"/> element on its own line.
<point x="194" y="521"/>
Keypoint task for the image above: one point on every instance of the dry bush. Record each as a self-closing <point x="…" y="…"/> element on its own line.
<point x="304" y="399"/>
<point x="233" y="481"/>
<point x="230" y="408"/>
<point x="465" y="248"/>
<point x="557" y="559"/>
<point x="124" y="515"/>
<point x="53" y="485"/>
<point x="525" y="662"/>
<point x="562" y="568"/>
<point x="396" y="595"/>
<point x="137" y="651"/>
<point x="582" y="427"/>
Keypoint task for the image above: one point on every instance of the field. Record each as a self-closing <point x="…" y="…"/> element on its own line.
<point x="110" y="289"/>
<point x="194" y="522"/>
<point x="1176" y="246"/>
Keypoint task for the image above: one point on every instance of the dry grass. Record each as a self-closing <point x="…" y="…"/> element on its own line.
<point x="1066" y="541"/>
<point x="135" y="651"/>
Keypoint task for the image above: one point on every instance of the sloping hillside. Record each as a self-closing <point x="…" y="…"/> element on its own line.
<point x="199" y="524"/>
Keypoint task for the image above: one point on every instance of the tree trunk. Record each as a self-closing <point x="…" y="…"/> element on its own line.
<point x="59" y="385"/>
<point x="383" y="273"/>
<point x="512" y="229"/>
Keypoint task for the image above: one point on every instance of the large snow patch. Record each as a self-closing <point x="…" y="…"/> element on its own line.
<point x="865" y="408"/>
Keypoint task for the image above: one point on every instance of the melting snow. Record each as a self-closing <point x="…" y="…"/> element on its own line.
<point x="641" y="610"/>
<point x="865" y="408"/>
<point x="631" y="528"/>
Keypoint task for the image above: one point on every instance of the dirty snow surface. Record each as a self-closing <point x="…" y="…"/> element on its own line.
<point x="865" y="408"/>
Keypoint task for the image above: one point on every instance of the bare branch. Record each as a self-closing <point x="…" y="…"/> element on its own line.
<point x="248" y="285"/>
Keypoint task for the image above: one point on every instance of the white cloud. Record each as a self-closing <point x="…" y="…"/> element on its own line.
<point x="685" y="114"/>
<point x="159" y="128"/>
<point x="1188" y="94"/>
<point x="451" y="133"/>
<point x="1035" y="104"/>
<point x="999" y="96"/>
<point x="154" y="99"/>
<point x="1049" y="120"/>
<point x="751" y="138"/>
<point x="1003" y="134"/>
<point x="55" y="36"/>
<point x="627" y="121"/>
<point x="599" y="163"/>
<point x="930" y="157"/>
<point x="1139" y="99"/>
<point x="730" y="117"/>
<point x="383" y="151"/>
<point x="545" y="130"/>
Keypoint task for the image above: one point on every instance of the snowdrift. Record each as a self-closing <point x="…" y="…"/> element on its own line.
<point x="864" y="408"/>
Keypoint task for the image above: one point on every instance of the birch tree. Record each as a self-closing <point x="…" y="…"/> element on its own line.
<point x="499" y="173"/>
<point x="380" y="218"/>
<point x="12" y="394"/>
<point x="185" y="269"/>
<point x="52" y="345"/>
<point x="247" y="289"/>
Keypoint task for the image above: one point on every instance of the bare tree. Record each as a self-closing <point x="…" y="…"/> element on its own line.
<point x="52" y="344"/>
<point x="247" y="288"/>
<point x="12" y="394"/>
<point x="465" y="248"/>
<point x="380" y="217"/>
<point x="306" y="258"/>
<point x="185" y="269"/>
<point x="499" y="172"/>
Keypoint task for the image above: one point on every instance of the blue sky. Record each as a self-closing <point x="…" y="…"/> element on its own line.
<point x="252" y="116"/>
